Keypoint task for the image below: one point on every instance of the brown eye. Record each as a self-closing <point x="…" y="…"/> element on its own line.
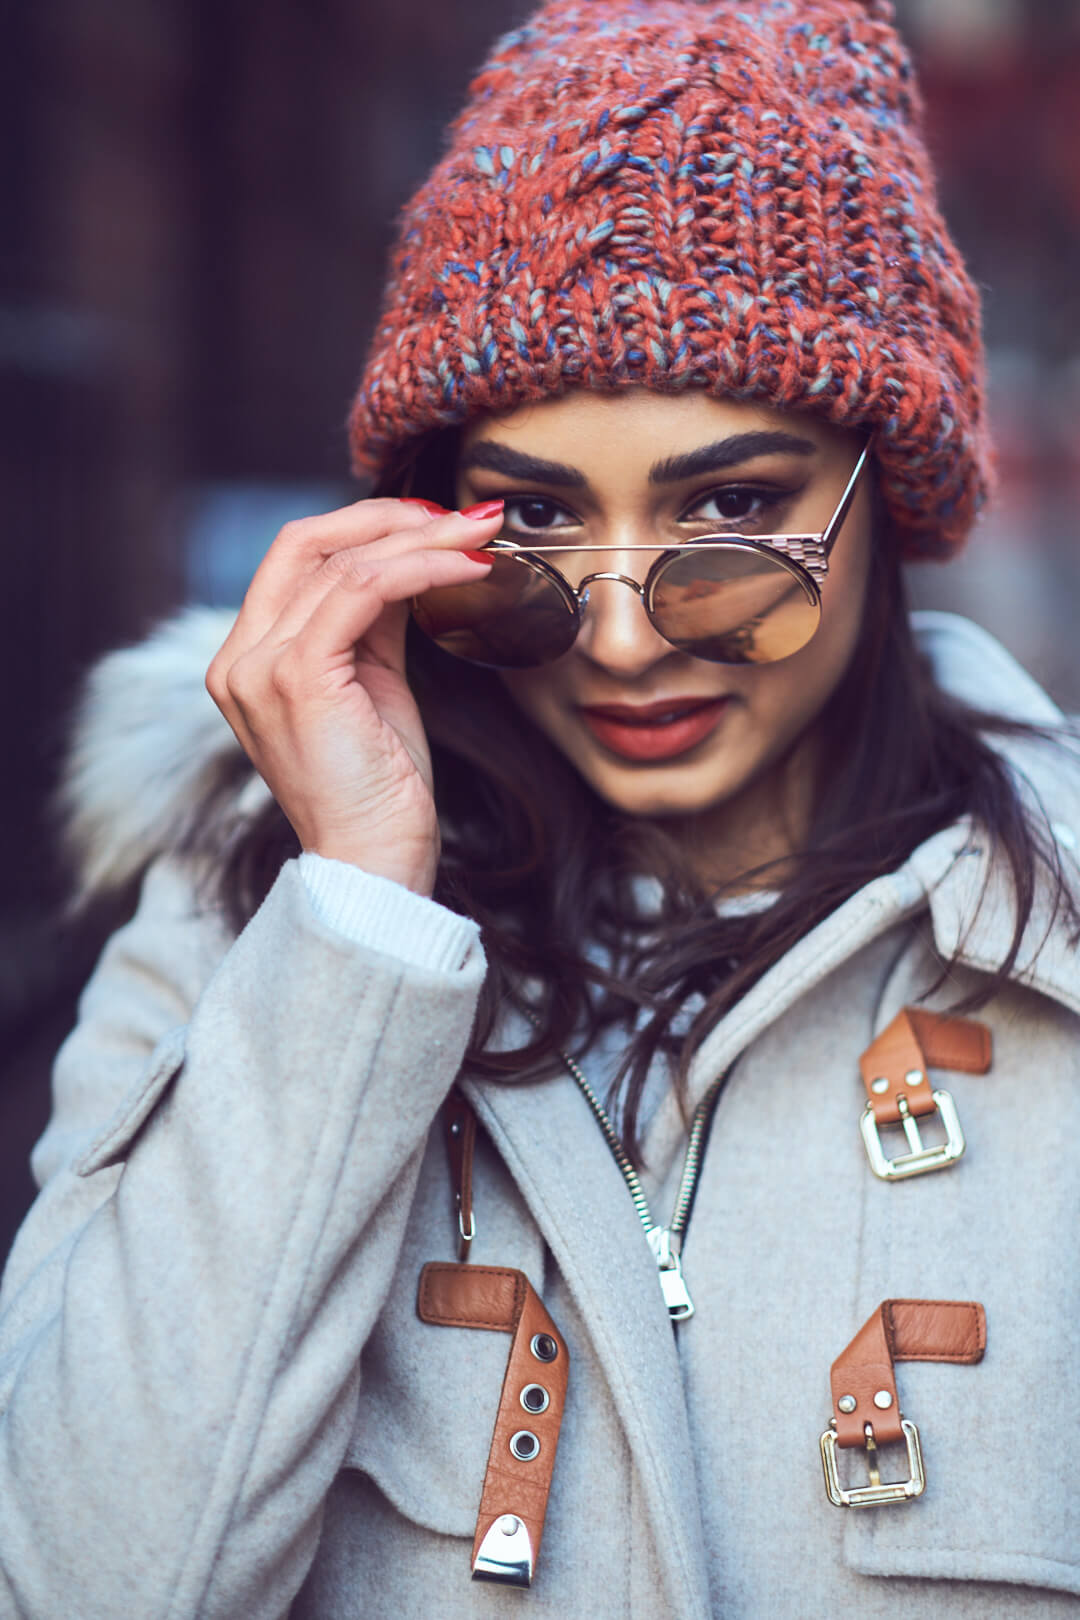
<point x="737" y="504"/>
<point x="536" y="514"/>
<point x="734" y="503"/>
<point x="532" y="514"/>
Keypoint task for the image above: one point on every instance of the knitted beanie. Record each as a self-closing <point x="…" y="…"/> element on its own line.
<point x="731" y="195"/>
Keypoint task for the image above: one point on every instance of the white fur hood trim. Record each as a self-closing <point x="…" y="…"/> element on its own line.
<point x="152" y="756"/>
<point x="153" y="763"/>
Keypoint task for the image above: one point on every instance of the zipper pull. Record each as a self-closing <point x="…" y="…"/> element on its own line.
<point x="675" y="1292"/>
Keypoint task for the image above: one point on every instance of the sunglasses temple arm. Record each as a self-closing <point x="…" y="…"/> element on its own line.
<point x="828" y="539"/>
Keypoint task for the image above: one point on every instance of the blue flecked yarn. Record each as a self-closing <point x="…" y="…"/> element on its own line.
<point x="692" y="194"/>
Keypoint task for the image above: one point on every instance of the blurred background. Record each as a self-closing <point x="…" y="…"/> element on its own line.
<point x="198" y="197"/>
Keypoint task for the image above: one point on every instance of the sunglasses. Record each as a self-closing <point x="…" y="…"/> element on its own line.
<point x="724" y="598"/>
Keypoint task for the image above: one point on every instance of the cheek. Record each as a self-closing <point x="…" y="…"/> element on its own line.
<point x="783" y="700"/>
<point x="535" y="691"/>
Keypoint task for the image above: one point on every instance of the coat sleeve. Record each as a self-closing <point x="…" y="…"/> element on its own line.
<point x="237" y="1135"/>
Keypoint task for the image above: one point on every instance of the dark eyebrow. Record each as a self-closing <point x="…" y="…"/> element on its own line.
<point x="728" y="453"/>
<point x="708" y="458"/>
<point x="516" y="464"/>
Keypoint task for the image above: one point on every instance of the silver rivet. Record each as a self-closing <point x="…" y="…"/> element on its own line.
<point x="524" y="1445"/>
<point x="455" y="1128"/>
<point x="535" y="1398"/>
<point x="883" y="1399"/>
<point x="543" y="1347"/>
<point x="914" y="1077"/>
<point x="847" y="1403"/>
<point x="509" y="1525"/>
<point x="879" y="1086"/>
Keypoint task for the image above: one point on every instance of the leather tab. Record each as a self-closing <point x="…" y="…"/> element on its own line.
<point x="459" y="1125"/>
<point x="899" y="1330"/>
<point x="516" y="1484"/>
<point x="903" y="1054"/>
<point x="935" y="1330"/>
<point x="963" y="1044"/>
<point x="863" y="1370"/>
<point x="488" y="1297"/>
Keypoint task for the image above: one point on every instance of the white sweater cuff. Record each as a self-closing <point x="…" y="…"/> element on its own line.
<point x="385" y="916"/>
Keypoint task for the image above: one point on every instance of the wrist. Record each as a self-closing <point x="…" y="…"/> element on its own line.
<point x="386" y="917"/>
<point x="416" y="873"/>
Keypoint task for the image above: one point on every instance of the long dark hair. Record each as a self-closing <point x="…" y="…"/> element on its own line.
<point x="550" y="872"/>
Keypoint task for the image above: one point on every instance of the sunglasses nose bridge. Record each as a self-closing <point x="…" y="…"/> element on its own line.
<point x="620" y="579"/>
<point x="614" y="633"/>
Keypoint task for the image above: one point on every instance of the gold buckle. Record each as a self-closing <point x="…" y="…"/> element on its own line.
<point x="875" y="1494"/>
<point x="919" y="1158"/>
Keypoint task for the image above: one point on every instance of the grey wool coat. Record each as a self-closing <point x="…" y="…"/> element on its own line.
<point x="217" y="1399"/>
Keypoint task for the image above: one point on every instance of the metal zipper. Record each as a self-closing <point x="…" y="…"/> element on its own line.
<point x="664" y="1241"/>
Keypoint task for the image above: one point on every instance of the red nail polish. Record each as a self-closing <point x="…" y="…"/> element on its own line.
<point x="478" y="556"/>
<point x="485" y="509"/>
<point x="432" y="508"/>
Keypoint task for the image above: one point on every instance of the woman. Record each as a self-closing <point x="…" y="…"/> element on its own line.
<point x="642" y="833"/>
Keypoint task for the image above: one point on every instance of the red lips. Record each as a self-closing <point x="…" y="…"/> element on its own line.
<point x="646" y="713"/>
<point x="660" y="730"/>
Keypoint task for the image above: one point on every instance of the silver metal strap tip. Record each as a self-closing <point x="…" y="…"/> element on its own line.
<point x="505" y="1555"/>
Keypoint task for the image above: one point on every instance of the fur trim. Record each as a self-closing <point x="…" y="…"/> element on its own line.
<point x="152" y="758"/>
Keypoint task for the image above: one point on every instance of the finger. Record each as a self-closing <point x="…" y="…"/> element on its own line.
<point x="245" y="689"/>
<point x="300" y="547"/>
<point x="351" y="609"/>
<point x="294" y="558"/>
<point x="355" y="562"/>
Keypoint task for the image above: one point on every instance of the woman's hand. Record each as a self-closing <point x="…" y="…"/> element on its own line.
<point x="312" y="677"/>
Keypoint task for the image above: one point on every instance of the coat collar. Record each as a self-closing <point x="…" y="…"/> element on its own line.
<point x="952" y="875"/>
<point x="970" y="897"/>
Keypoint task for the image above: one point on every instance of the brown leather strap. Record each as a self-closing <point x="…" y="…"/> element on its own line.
<point x="862" y="1378"/>
<point x="952" y="1043"/>
<point x="935" y="1330"/>
<point x="459" y="1124"/>
<point x="522" y="1456"/>
<point x="896" y="1065"/>
<point x="488" y="1297"/>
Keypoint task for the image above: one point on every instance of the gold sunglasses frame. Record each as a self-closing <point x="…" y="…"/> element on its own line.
<point x="804" y="556"/>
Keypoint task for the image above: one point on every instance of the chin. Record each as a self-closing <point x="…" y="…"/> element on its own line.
<point x="663" y="791"/>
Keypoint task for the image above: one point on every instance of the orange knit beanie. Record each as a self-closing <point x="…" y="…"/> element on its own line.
<point x="731" y="195"/>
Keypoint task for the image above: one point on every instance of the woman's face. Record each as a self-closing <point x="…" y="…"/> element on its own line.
<point x="655" y="732"/>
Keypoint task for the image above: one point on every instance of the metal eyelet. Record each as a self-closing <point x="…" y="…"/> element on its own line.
<point x="535" y="1398"/>
<point x="543" y="1347"/>
<point x="524" y="1445"/>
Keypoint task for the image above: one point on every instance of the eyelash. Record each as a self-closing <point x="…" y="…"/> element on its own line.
<point x="767" y="497"/>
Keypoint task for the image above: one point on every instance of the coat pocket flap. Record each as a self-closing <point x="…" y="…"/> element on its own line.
<point x="995" y="1508"/>
<point x="425" y="1444"/>
<point x="110" y="1146"/>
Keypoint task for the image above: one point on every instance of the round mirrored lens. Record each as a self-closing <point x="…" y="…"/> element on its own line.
<point x="733" y="605"/>
<point x="514" y="619"/>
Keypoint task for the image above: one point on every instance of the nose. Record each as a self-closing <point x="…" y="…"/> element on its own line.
<point x="616" y="633"/>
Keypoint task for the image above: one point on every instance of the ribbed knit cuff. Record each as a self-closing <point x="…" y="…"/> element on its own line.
<point x="386" y="917"/>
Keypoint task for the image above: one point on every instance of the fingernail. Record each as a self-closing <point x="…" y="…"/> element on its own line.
<point x="486" y="509"/>
<point x="478" y="556"/>
<point x="432" y="508"/>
